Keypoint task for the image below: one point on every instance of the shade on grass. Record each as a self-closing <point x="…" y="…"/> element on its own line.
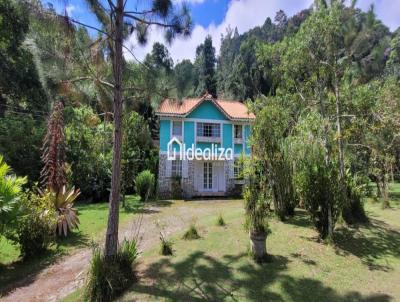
<point x="363" y="266"/>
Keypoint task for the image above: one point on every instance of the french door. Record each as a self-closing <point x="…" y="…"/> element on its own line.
<point x="207" y="176"/>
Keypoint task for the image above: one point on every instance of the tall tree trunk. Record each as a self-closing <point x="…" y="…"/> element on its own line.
<point x="111" y="245"/>
<point x="339" y="129"/>
<point x="340" y="146"/>
<point x="327" y="153"/>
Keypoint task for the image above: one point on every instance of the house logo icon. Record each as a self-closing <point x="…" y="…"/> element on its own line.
<point x="171" y="152"/>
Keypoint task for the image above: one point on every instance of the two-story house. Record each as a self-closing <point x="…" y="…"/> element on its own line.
<point x="200" y="140"/>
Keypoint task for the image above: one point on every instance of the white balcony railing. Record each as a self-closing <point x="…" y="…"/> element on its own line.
<point x="209" y="139"/>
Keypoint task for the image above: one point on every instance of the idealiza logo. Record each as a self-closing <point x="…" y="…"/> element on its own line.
<point x="213" y="153"/>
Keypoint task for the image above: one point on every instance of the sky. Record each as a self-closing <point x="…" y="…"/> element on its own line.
<point x="213" y="17"/>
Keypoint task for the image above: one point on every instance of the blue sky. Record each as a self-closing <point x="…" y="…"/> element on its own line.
<point x="213" y="17"/>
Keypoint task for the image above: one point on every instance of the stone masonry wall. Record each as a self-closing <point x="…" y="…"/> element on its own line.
<point x="164" y="182"/>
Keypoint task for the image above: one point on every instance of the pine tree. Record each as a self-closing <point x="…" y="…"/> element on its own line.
<point x="205" y="65"/>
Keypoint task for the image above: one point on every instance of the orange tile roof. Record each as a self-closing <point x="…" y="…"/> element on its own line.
<point x="234" y="110"/>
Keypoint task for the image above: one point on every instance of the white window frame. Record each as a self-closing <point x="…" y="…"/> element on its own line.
<point x="237" y="168"/>
<point x="240" y="132"/>
<point x="173" y="128"/>
<point x="176" y="168"/>
<point x="213" y="130"/>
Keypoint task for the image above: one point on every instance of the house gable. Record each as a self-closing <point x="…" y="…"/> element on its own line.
<point x="207" y="110"/>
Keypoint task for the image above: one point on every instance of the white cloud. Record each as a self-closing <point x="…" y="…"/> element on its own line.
<point x="69" y="9"/>
<point x="246" y="14"/>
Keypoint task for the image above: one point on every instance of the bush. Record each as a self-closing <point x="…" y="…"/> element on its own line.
<point x="166" y="246"/>
<point x="10" y="189"/>
<point x="144" y="184"/>
<point x="35" y="228"/>
<point x="220" y="220"/>
<point x="108" y="278"/>
<point x="191" y="233"/>
<point x="353" y="211"/>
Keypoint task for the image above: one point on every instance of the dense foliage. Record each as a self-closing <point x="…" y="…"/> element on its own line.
<point x="88" y="152"/>
<point x="34" y="231"/>
<point x="10" y="189"/>
<point x="330" y="81"/>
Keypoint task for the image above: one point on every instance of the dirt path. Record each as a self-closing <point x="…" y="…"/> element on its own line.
<point x="62" y="278"/>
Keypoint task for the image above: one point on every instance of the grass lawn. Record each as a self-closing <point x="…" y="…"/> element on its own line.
<point x="93" y="221"/>
<point x="364" y="264"/>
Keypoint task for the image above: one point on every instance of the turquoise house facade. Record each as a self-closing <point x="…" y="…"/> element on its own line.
<point x="201" y="143"/>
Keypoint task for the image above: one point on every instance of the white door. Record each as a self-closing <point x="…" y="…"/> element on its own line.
<point x="208" y="179"/>
<point x="209" y="176"/>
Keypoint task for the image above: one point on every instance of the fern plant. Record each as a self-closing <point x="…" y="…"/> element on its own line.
<point x="10" y="188"/>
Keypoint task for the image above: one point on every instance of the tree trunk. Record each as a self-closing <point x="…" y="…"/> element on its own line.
<point x="258" y="245"/>
<point x="339" y="130"/>
<point x="111" y="245"/>
<point x="341" y="152"/>
<point x="378" y="189"/>
<point x="327" y="155"/>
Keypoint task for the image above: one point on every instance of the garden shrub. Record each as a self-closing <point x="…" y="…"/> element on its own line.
<point x="144" y="184"/>
<point x="35" y="228"/>
<point x="220" y="220"/>
<point x="166" y="246"/>
<point x="109" y="277"/>
<point x="191" y="233"/>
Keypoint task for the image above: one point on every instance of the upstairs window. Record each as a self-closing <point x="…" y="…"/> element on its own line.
<point x="176" y="128"/>
<point x="238" y="131"/>
<point x="208" y="130"/>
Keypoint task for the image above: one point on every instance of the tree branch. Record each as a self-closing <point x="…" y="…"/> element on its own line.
<point x="147" y="22"/>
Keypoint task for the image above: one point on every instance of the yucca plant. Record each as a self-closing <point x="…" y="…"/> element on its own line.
<point x="67" y="215"/>
<point x="10" y="188"/>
